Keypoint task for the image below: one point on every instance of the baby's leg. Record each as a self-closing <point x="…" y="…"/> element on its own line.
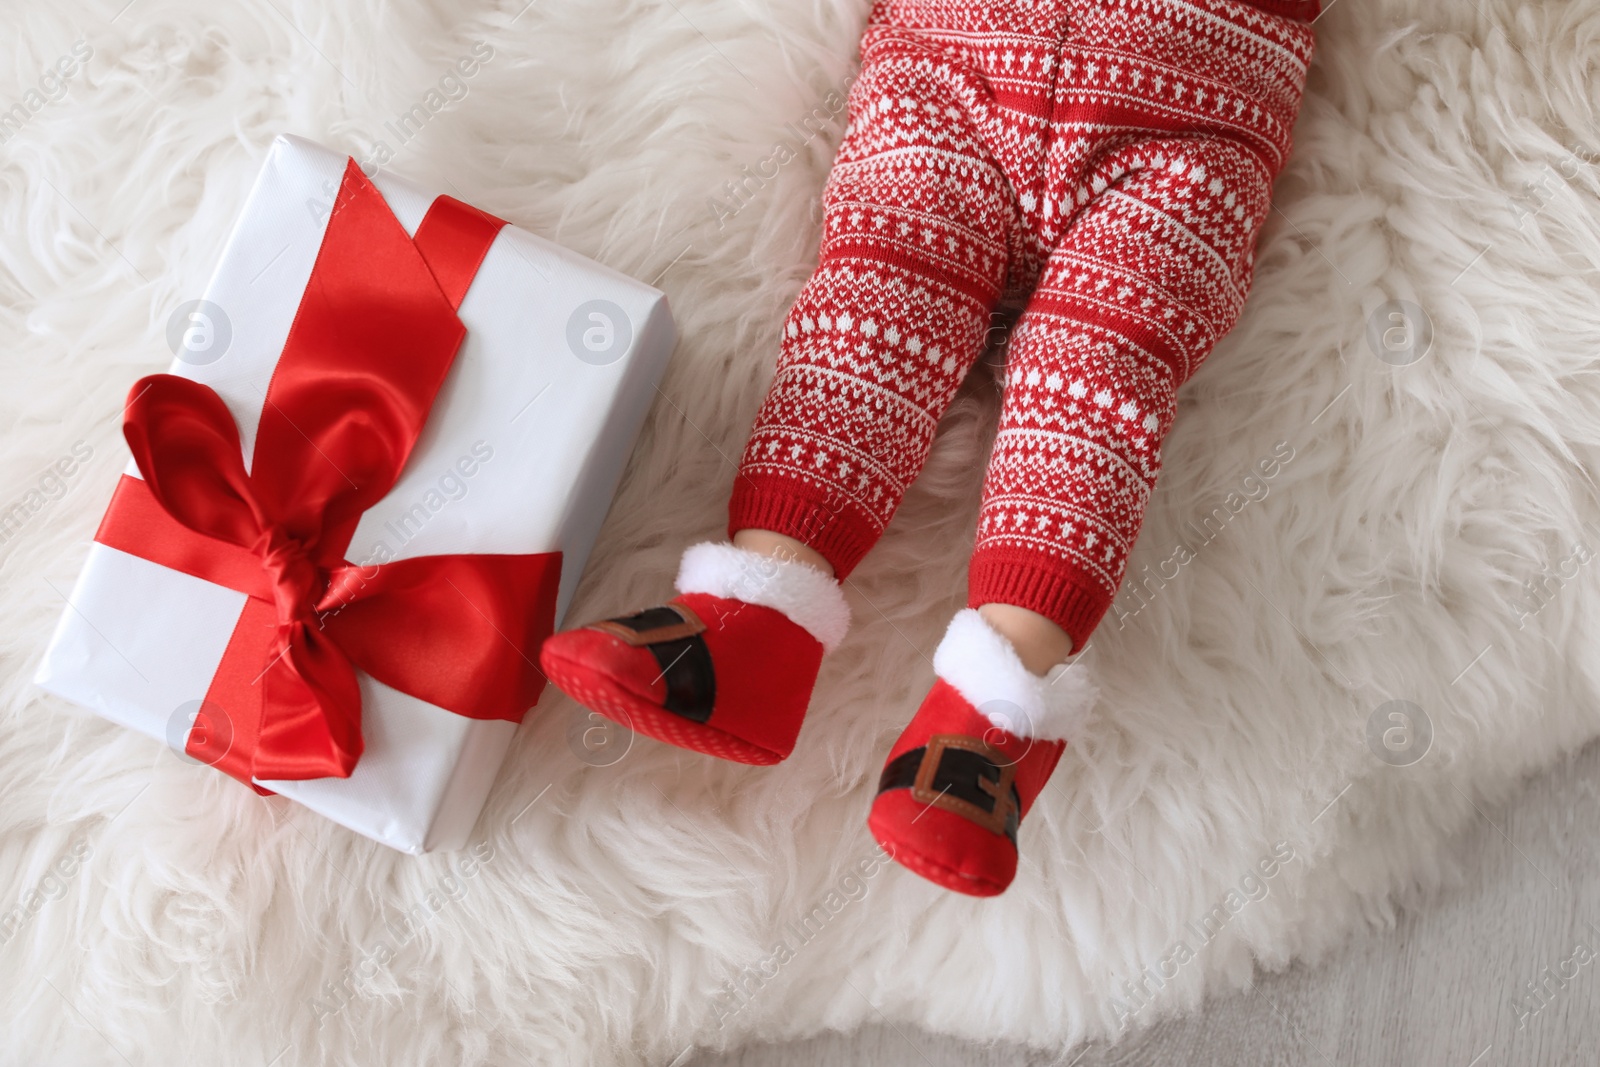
<point x="918" y="226"/>
<point x="916" y="223"/>
<point x="1150" y="275"/>
<point x="1138" y="290"/>
<point x="1160" y="169"/>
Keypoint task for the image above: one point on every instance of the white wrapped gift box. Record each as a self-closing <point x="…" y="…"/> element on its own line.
<point x="521" y="453"/>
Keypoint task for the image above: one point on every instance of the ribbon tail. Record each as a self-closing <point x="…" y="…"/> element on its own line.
<point x="460" y="632"/>
<point x="232" y="704"/>
<point x="311" y="711"/>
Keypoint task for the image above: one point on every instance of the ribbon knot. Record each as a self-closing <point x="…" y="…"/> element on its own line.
<point x="298" y="584"/>
<point x="375" y="333"/>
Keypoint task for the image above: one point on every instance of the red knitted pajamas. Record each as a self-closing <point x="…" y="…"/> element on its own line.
<point x="1112" y="158"/>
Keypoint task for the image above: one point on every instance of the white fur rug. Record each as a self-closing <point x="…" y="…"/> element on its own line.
<point x="1425" y="535"/>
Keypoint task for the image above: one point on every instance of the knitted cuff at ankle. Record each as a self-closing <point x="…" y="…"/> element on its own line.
<point x="1059" y="592"/>
<point x="840" y="532"/>
<point x="810" y="598"/>
<point x="980" y="663"/>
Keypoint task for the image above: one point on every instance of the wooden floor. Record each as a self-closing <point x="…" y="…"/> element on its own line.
<point x="1437" y="991"/>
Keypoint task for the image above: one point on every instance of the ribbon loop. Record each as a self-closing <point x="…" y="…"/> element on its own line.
<point x="187" y="447"/>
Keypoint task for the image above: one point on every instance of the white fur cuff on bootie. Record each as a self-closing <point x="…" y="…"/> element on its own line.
<point x="983" y="667"/>
<point x="810" y="598"/>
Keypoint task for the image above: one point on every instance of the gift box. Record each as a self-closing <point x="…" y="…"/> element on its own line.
<point x="361" y="497"/>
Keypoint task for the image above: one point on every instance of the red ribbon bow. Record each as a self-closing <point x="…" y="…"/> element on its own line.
<point x="374" y="335"/>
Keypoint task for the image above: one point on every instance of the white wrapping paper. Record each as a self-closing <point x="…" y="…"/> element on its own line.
<point x="521" y="454"/>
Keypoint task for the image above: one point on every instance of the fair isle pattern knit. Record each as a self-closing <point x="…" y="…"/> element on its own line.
<point x="1110" y="160"/>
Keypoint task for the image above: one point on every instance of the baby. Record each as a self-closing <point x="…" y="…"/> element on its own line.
<point x="1112" y="162"/>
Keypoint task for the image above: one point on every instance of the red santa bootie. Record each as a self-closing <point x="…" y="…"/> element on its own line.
<point x="725" y="668"/>
<point x="978" y="752"/>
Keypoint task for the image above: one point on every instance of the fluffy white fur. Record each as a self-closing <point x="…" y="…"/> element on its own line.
<point x="811" y="599"/>
<point x="983" y="667"/>
<point x="1385" y="561"/>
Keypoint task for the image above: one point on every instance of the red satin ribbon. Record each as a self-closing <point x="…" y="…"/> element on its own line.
<point x="372" y="340"/>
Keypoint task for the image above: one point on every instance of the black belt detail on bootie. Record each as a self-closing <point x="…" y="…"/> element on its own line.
<point x="956" y="782"/>
<point x="672" y="633"/>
